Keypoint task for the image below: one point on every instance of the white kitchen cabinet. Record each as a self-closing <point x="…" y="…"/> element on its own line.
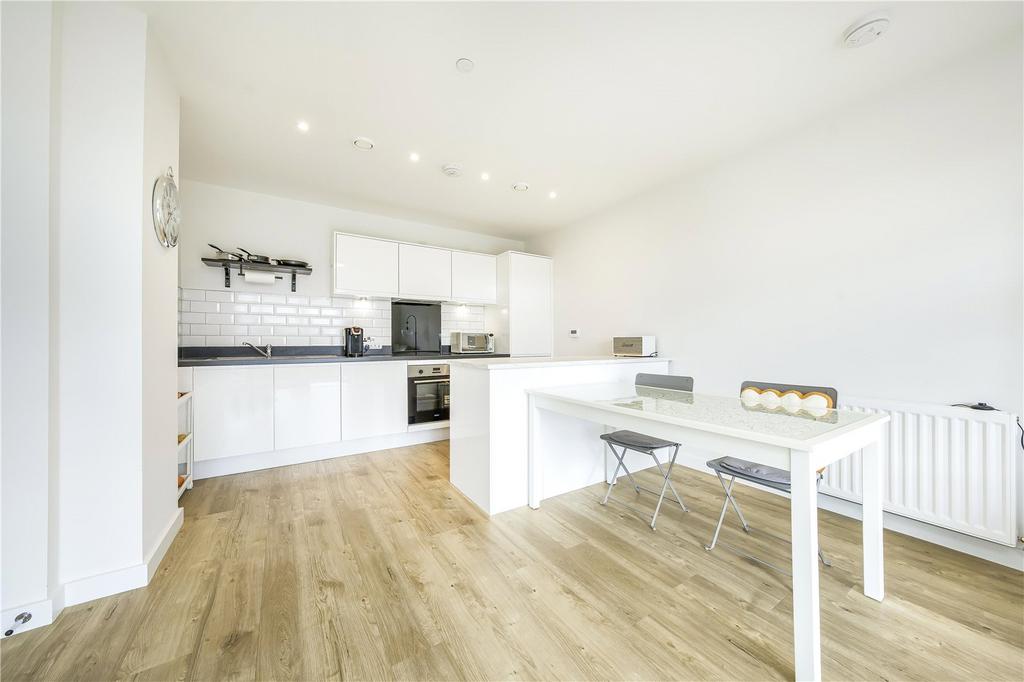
<point x="365" y="266"/>
<point x="424" y="272"/>
<point x="307" y="405"/>
<point x="233" y="411"/>
<point x="474" y="277"/>
<point x="526" y="294"/>
<point x="374" y="399"/>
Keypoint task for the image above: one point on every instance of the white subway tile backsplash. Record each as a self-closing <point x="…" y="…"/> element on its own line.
<point x="220" y="296"/>
<point x="220" y="340"/>
<point x="224" y="318"/>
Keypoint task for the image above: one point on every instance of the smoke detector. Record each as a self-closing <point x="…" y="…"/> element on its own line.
<point x="363" y="144"/>
<point x="520" y="187"/>
<point x="867" y="30"/>
<point x="452" y="170"/>
<point x="465" y="65"/>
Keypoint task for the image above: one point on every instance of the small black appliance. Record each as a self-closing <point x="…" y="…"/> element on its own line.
<point x="353" y="342"/>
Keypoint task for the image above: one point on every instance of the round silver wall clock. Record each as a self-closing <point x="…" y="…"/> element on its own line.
<point x="166" y="211"/>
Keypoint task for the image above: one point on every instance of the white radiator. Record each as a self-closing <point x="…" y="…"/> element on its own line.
<point x="948" y="466"/>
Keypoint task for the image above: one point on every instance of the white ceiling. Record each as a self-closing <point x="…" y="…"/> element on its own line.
<point x="597" y="101"/>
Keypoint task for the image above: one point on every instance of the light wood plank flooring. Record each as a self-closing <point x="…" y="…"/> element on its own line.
<point x="374" y="567"/>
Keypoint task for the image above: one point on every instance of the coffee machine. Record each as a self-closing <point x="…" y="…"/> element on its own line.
<point x="353" y="342"/>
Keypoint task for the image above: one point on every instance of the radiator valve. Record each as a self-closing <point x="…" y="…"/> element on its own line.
<point x="20" y="619"/>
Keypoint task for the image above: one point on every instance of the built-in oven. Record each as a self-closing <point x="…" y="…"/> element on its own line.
<point x="428" y="393"/>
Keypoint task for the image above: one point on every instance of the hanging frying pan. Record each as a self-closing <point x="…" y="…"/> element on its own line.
<point x="255" y="257"/>
<point x="228" y="255"/>
<point x="290" y="263"/>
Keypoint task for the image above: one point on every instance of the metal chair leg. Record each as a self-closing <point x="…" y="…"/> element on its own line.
<point x="667" y="483"/>
<point x="725" y="506"/>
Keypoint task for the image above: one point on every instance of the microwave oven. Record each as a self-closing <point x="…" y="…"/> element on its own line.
<point x="634" y="346"/>
<point x="469" y="342"/>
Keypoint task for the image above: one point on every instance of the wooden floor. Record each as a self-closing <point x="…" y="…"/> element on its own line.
<point x="374" y="567"/>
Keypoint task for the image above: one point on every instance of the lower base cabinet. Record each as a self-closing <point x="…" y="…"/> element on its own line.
<point x="374" y="399"/>
<point x="233" y="411"/>
<point x="307" y="405"/>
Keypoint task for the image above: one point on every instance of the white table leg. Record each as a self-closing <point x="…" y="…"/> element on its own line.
<point x="804" y="522"/>
<point x="533" y="455"/>
<point x="873" y="488"/>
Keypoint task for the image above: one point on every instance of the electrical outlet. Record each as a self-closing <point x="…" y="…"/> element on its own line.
<point x="574" y="333"/>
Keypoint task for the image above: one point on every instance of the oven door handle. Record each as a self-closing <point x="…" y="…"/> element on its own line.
<point x="431" y="381"/>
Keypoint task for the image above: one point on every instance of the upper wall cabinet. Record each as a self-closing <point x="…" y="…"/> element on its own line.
<point x="365" y="266"/>
<point x="424" y="272"/>
<point x="474" y="277"/>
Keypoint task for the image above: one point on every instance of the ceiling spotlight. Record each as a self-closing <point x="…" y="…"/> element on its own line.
<point x="485" y="176"/>
<point x="363" y="144"/>
<point x="520" y="187"/>
<point x="552" y="195"/>
<point x="464" y="65"/>
<point x="867" y="30"/>
<point x="302" y="126"/>
<point x="414" y="157"/>
<point x="452" y="170"/>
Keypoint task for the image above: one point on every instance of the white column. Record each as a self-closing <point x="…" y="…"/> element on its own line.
<point x="873" y="487"/>
<point x="804" y="521"/>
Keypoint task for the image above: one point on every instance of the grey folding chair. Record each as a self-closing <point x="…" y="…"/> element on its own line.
<point x="648" y="445"/>
<point x="770" y="477"/>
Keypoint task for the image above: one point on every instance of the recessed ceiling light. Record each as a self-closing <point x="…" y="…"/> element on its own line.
<point x="552" y="195"/>
<point x="363" y="143"/>
<point x="414" y="157"/>
<point x="485" y="176"/>
<point x="520" y="187"/>
<point x="866" y="30"/>
<point x="302" y="126"/>
<point x="464" y="65"/>
<point x="452" y="170"/>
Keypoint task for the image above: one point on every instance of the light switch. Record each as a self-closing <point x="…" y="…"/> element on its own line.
<point x="574" y="333"/>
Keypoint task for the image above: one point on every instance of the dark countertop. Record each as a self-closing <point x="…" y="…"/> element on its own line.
<point x="291" y="355"/>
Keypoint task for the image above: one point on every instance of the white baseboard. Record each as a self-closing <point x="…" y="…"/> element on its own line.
<point x="105" y="584"/>
<point x="156" y="554"/>
<point x="43" y="613"/>
<point x="227" y="466"/>
<point x="1012" y="557"/>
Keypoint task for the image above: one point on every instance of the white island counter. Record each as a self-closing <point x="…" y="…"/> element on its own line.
<point x="489" y="423"/>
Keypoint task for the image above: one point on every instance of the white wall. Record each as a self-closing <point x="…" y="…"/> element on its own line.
<point x="159" y="310"/>
<point x="103" y="64"/>
<point x="877" y="250"/>
<point x="24" y="316"/>
<point x="286" y="228"/>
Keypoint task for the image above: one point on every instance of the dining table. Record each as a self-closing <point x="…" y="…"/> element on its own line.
<point x="801" y="442"/>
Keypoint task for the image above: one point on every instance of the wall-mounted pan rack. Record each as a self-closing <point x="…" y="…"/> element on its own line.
<point x="228" y="263"/>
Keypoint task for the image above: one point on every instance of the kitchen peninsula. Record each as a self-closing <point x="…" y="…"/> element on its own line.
<point x="489" y="424"/>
